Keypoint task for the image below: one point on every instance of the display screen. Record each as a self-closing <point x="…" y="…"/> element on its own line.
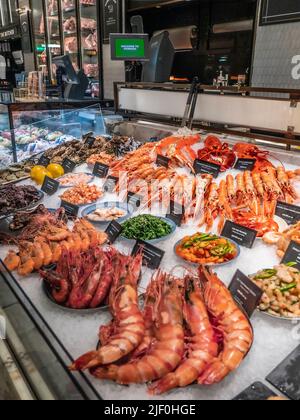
<point x="129" y="47"/>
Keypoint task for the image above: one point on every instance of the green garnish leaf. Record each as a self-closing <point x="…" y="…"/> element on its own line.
<point x="265" y="274"/>
<point x="146" y="228"/>
<point x="288" y="287"/>
<point x="291" y="264"/>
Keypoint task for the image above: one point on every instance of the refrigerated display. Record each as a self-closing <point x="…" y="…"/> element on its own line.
<point x="68" y="27"/>
<point x="54" y="34"/>
<point x="263" y="342"/>
<point x="27" y="131"/>
<point x="89" y="38"/>
<point x="6" y="155"/>
<point x="70" y="31"/>
<point x="39" y="35"/>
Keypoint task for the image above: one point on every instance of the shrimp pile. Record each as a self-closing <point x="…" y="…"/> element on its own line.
<point x="43" y="243"/>
<point x="194" y="332"/>
<point x="126" y="332"/>
<point x="249" y="199"/>
<point x="103" y="157"/>
<point x="82" y="194"/>
<point x="82" y="280"/>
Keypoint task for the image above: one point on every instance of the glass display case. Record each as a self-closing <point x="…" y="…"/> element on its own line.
<point x="68" y="27"/>
<point x="54" y="34"/>
<point x="6" y="149"/>
<point x="27" y="130"/>
<point x="70" y="31"/>
<point x="89" y="38"/>
<point x="39" y="36"/>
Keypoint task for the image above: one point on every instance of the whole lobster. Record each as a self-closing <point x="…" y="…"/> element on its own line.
<point x="249" y="151"/>
<point x="217" y="152"/>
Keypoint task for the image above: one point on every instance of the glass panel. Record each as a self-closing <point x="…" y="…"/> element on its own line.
<point x="38" y="131"/>
<point x="89" y="42"/>
<point x="44" y="375"/>
<point x="13" y="11"/>
<point x="39" y="35"/>
<point x="69" y="17"/>
<point x="4" y="13"/>
<point x="6" y="152"/>
<point x="53" y="34"/>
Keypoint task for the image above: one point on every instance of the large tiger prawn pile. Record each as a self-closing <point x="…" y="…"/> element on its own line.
<point x="189" y="331"/>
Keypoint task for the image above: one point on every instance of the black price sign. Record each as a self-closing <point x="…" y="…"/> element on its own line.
<point x="245" y="292"/>
<point x="203" y="167"/>
<point x="50" y="186"/>
<point x="176" y="213"/>
<point x="256" y="392"/>
<point x="152" y="256"/>
<point x="113" y="231"/>
<point x="44" y="161"/>
<point x="292" y="255"/>
<point x="71" y="209"/>
<point x="288" y="212"/>
<point x="134" y="200"/>
<point x="110" y="184"/>
<point x="162" y="161"/>
<point x="68" y="165"/>
<point x="240" y="234"/>
<point x="100" y="170"/>
<point x="245" y="164"/>
<point x="90" y="141"/>
<point x="286" y="376"/>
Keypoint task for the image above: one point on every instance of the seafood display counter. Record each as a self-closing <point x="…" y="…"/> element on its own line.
<point x="27" y="129"/>
<point x="72" y="332"/>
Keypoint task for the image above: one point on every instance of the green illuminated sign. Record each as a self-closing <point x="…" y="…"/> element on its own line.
<point x="130" y="48"/>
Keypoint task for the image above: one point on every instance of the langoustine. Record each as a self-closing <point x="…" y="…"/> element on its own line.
<point x="233" y="325"/>
<point x="167" y="351"/>
<point x="128" y="326"/>
<point x="202" y="345"/>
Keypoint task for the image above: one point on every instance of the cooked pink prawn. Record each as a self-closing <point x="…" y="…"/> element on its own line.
<point x="129" y="326"/>
<point x="232" y="323"/>
<point x="166" y="353"/>
<point x="202" y="345"/>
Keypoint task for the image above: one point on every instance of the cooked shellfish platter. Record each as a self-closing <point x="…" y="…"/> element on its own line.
<point x="189" y="332"/>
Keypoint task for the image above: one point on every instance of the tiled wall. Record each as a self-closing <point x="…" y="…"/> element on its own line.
<point x="275" y="47"/>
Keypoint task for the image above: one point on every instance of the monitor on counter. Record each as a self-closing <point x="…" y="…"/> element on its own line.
<point x="65" y="62"/>
<point x="76" y="82"/>
<point x="129" y="47"/>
